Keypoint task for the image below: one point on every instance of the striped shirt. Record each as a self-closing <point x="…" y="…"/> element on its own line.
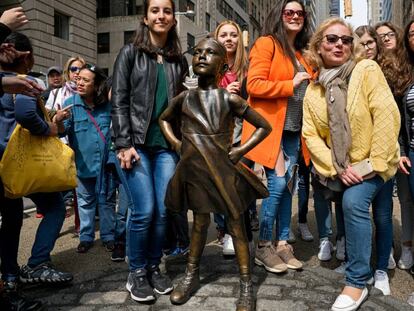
<point x="293" y="120"/>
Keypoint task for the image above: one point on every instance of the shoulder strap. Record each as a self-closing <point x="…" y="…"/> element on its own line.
<point x="54" y="97"/>
<point x="96" y="126"/>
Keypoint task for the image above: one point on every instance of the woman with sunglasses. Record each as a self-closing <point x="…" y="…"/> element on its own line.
<point x="88" y="133"/>
<point x="70" y="75"/>
<point x="276" y="83"/>
<point x="148" y="73"/>
<point x="350" y="124"/>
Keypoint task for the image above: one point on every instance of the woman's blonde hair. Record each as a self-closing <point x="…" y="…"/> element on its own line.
<point x="312" y="55"/>
<point x="69" y="63"/>
<point x="240" y="60"/>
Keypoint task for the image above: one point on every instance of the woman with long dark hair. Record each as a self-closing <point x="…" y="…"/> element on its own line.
<point x="276" y="83"/>
<point x="147" y="75"/>
<point x="406" y="161"/>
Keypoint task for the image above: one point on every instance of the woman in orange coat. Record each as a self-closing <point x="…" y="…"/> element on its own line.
<point x="277" y="81"/>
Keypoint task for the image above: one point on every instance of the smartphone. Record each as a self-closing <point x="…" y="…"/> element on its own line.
<point x="363" y="168"/>
<point x="68" y="107"/>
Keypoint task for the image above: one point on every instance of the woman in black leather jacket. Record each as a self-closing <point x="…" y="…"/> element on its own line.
<point x="147" y="75"/>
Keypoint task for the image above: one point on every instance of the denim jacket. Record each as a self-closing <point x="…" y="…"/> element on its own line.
<point x="90" y="149"/>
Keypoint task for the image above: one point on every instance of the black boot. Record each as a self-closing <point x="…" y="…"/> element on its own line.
<point x="246" y="301"/>
<point x="187" y="286"/>
<point x="11" y="300"/>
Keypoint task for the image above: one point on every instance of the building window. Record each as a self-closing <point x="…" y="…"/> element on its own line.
<point x="103" y="8"/>
<point x="239" y="20"/>
<point x="103" y="43"/>
<point x="61" y="26"/>
<point x="225" y="9"/>
<point x="208" y="27"/>
<point x="190" y="43"/>
<point x="129" y="36"/>
<point x="242" y="4"/>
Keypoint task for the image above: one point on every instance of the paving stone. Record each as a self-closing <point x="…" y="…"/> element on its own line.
<point x="103" y="298"/>
<point x="370" y="305"/>
<point x="284" y="282"/>
<point x="60" y="299"/>
<point x="112" y="286"/>
<point x="119" y="276"/>
<point x="136" y="307"/>
<point x="327" y="288"/>
<point x="280" y="305"/>
<point x="75" y="308"/>
<point x="215" y="290"/>
<point x="327" y="273"/>
<point x="311" y="296"/>
<point x="219" y="303"/>
<point x="268" y="290"/>
<point x="395" y="303"/>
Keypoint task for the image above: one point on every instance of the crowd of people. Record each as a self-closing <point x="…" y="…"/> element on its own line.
<point x="340" y="104"/>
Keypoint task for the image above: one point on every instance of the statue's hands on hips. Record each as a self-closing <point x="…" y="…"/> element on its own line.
<point x="235" y="154"/>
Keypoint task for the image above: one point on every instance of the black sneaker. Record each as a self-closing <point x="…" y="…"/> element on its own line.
<point x="11" y="300"/>
<point x="109" y="245"/>
<point x="139" y="287"/>
<point x="161" y="283"/>
<point x="118" y="254"/>
<point x="43" y="273"/>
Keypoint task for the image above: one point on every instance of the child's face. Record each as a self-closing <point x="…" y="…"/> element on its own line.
<point x="207" y="59"/>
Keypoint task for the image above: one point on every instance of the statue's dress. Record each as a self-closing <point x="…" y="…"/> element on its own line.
<point x="205" y="179"/>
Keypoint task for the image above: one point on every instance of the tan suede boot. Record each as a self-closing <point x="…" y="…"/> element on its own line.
<point x="187" y="286"/>
<point x="246" y="300"/>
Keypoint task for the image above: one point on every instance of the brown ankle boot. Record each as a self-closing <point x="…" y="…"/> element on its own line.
<point x="246" y="301"/>
<point x="187" y="286"/>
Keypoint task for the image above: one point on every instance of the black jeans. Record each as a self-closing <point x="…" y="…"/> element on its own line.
<point x="177" y="230"/>
<point x="11" y="211"/>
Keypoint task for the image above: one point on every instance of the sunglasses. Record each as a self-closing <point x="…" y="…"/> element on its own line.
<point x="332" y="39"/>
<point x="74" y="68"/>
<point x="289" y="14"/>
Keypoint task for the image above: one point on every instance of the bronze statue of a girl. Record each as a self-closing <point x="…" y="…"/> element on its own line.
<point x="209" y="176"/>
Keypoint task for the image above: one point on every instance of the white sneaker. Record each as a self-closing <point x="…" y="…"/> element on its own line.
<point x="410" y="300"/>
<point x="382" y="282"/>
<point x="340" y="249"/>
<point x="325" y="249"/>
<point x="292" y="238"/>
<point x="228" y="247"/>
<point x="341" y="268"/>
<point x="406" y="259"/>
<point x="391" y="261"/>
<point x="304" y="232"/>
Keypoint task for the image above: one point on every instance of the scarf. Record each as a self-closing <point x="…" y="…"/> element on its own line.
<point x="335" y="83"/>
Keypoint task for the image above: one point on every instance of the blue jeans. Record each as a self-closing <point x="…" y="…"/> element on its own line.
<point x="88" y="198"/>
<point x="382" y="211"/>
<point x="279" y="202"/>
<point x="124" y="204"/>
<point x="52" y="207"/>
<point x="323" y="213"/>
<point x="148" y="181"/>
<point x="356" y="202"/>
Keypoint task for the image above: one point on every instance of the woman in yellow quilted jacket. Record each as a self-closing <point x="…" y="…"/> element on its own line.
<point x="350" y="125"/>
